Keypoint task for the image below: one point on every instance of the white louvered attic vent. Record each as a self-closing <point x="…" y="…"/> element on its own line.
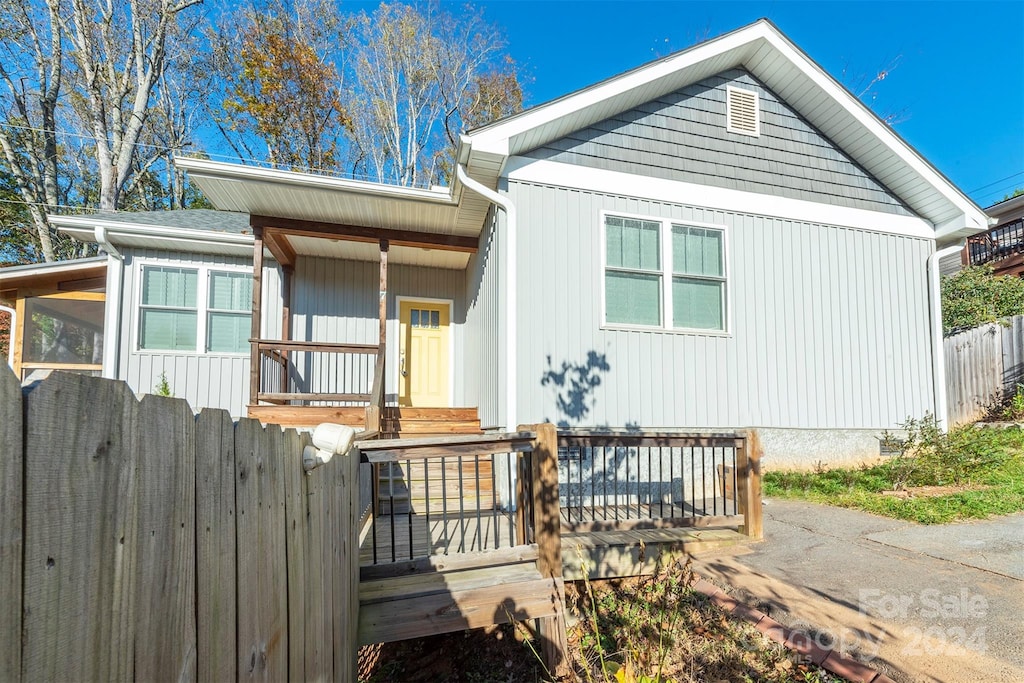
<point x="741" y="111"/>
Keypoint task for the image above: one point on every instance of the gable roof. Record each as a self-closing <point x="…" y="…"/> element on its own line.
<point x="761" y="49"/>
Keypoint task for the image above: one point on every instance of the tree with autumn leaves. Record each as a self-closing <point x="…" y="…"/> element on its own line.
<point x="98" y="96"/>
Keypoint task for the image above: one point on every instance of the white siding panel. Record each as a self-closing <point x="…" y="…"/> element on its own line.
<point x="484" y="345"/>
<point x="829" y="325"/>
<point x="204" y="380"/>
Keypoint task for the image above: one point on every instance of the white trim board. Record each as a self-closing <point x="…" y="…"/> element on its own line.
<point x="621" y="184"/>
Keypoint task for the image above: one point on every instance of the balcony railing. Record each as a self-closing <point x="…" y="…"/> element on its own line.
<point x="306" y="373"/>
<point x="998" y="243"/>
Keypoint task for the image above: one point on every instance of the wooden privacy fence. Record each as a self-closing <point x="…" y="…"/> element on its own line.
<point x="138" y="541"/>
<point x="983" y="366"/>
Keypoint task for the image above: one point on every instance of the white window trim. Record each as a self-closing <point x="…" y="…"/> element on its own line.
<point x="202" y="307"/>
<point x="665" y="244"/>
<point x="729" y="89"/>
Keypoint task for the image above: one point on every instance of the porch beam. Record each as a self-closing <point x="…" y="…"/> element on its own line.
<point x="280" y="247"/>
<point x="257" y="315"/>
<point x="359" y="233"/>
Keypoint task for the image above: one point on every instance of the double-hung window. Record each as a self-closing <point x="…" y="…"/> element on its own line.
<point x="194" y="309"/>
<point x="664" y="274"/>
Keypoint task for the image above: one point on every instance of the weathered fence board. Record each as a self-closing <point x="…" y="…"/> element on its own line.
<point x="159" y="546"/>
<point x="80" y="520"/>
<point x="262" y="577"/>
<point x="983" y="366"/>
<point x="165" y="579"/>
<point x="10" y="525"/>
<point x="216" y="590"/>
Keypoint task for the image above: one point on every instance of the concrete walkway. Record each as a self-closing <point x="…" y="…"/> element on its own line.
<point x="919" y="603"/>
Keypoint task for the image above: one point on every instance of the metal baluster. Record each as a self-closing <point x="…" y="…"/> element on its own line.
<point x="693" y="486"/>
<point x="714" y="471"/>
<point x="703" y="482"/>
<point x="391" y="505"/>
<point x="426" y="505"/>
<point x="408" y="514"/>
<point x="479" y="520"/>
<point x="374" y="505"/>
<point x="444" y="504"/>
<point x="494" y="505"/>
<point x="628" y="458"/>
<point x="513" y="459"/>
<point x="604" y="481"/>
<point x="462" y="511"/>
<point x="661" y="482"/>
<point x="735" y="485"/>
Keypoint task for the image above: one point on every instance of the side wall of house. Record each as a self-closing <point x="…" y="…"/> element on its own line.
<point x="205" y="380"/>
<point x="336" y="301"/>
<point x="485" y="344"/>
<point x="829" y="326"/>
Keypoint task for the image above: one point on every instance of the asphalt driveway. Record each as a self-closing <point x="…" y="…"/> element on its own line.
<point x="920" y="603"/>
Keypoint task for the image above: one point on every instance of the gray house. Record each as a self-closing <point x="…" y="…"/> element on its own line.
<point x="722" y="238"/>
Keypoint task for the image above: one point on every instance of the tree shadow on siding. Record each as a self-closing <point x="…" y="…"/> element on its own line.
<point x="574" y="385"/>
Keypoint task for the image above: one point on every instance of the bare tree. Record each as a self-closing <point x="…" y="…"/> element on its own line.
<point x="420" y="75"/>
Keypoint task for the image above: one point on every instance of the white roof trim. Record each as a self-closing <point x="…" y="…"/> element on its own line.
<point x="617" y="183"/>
<point x="734" y="49"/>
<point x="29" y="270"/>
<point x="230" y="171"/>
<point x="83" y="228"/>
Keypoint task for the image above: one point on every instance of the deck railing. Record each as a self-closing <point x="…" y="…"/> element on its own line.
<point x="305" y="373"/>
<point x="650" y="480"/>
<point x="996" y="244"/>
<point x="446" y="496"/>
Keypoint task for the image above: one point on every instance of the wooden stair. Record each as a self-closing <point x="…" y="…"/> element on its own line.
<point x="399" y="422"/>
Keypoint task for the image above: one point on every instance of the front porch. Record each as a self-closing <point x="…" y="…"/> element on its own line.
<point x="347" y="348"/>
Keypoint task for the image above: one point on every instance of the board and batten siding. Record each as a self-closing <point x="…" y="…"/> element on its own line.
<point x="336" y="300"/>
<point x="683" y="136"/>
<point x="205" y="380"/>
<point x="829" y="325"/>
<point x="485" y="344"/>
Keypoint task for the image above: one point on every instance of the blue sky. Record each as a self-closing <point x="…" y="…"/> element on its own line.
<point x="957" y="89"/>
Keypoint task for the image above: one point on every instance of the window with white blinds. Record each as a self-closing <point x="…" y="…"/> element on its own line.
<point x="664" y="274"/>
<point x="173" y="317"/>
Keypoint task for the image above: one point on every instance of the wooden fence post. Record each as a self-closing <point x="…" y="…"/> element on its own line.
<point x="547" y="533"/>
<point x="748" y="462"/>
<point x="11" y="536"/>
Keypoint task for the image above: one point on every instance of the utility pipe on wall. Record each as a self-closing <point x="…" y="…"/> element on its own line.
<point x="938" y="353"/>
<point x="10" y="337"/>
<point x="510" y="288"/>
<point x="112" y="307"/>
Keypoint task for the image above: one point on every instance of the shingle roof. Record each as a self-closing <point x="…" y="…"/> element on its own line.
<point x="188" y="219"/>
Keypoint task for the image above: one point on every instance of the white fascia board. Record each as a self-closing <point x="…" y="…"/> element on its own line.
<point x="617" y="183"/>
<point x="54" y="267"/>
<point x="496" y="140"/>
<point x="83" y="227"/>
<point x="863" y="116"/>
<point x="240" y="173"/>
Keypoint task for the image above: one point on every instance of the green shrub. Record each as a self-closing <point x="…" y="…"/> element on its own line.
<point x="927" y="456"/>
<point x="1014" y="409"/>
<point x="974" y="296"/>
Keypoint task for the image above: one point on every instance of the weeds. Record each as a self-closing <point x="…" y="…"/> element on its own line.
<point x="163" y="388"/>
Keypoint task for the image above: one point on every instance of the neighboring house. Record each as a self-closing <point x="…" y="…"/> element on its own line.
<point x="57" y="315"/>
<point x="1001" y="246"/>
<point x="722" y="238"/>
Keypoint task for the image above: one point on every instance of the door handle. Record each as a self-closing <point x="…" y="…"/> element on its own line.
<point x="405" y="373"/>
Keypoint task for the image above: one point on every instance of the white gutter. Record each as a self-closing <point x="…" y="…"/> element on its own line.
<point x="938" y="353"/>
<point x="112" y="307"/>
<point x="510" y="288"/>
<point x="10" y="338"/>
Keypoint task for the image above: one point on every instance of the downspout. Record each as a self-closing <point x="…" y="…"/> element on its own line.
<point x="10" y="337"/>
<point x="510" y="288"/>
<point x="938" y="352"/>
<point x="112" y="309"/>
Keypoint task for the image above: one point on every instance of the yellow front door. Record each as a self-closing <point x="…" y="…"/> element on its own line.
<point x="423" y="361"/>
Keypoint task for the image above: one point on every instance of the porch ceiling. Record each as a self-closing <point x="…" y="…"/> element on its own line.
<point x="367" y="251"/>
<point x="308" y="197"/>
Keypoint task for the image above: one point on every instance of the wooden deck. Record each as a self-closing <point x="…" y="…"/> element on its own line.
<point x="418" y="535"/>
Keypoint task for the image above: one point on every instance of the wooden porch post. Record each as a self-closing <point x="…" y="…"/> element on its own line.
<point x="547" y="536"/>
<point x="257" y="317"/>
<point x="748" y="462"/>
<point x="286" y="321"/>
<point x="373" y="411"/>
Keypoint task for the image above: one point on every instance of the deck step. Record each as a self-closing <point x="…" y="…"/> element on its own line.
<point x="401" y="421"/>
<point x="612" y="554"/>
<point x="426" y="604"/>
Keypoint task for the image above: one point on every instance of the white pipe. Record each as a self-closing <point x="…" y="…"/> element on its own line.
<point x="938" y="353"/>
<point x="510" y="288"/>
<point x="10" y="337"/>
<point x="112" y="307"/>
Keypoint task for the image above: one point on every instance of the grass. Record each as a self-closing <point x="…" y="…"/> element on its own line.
<point x="995" y="487"/>
<point x="657" y="629"/>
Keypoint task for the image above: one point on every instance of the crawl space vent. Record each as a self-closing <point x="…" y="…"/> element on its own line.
<point x="742" y="111"/>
